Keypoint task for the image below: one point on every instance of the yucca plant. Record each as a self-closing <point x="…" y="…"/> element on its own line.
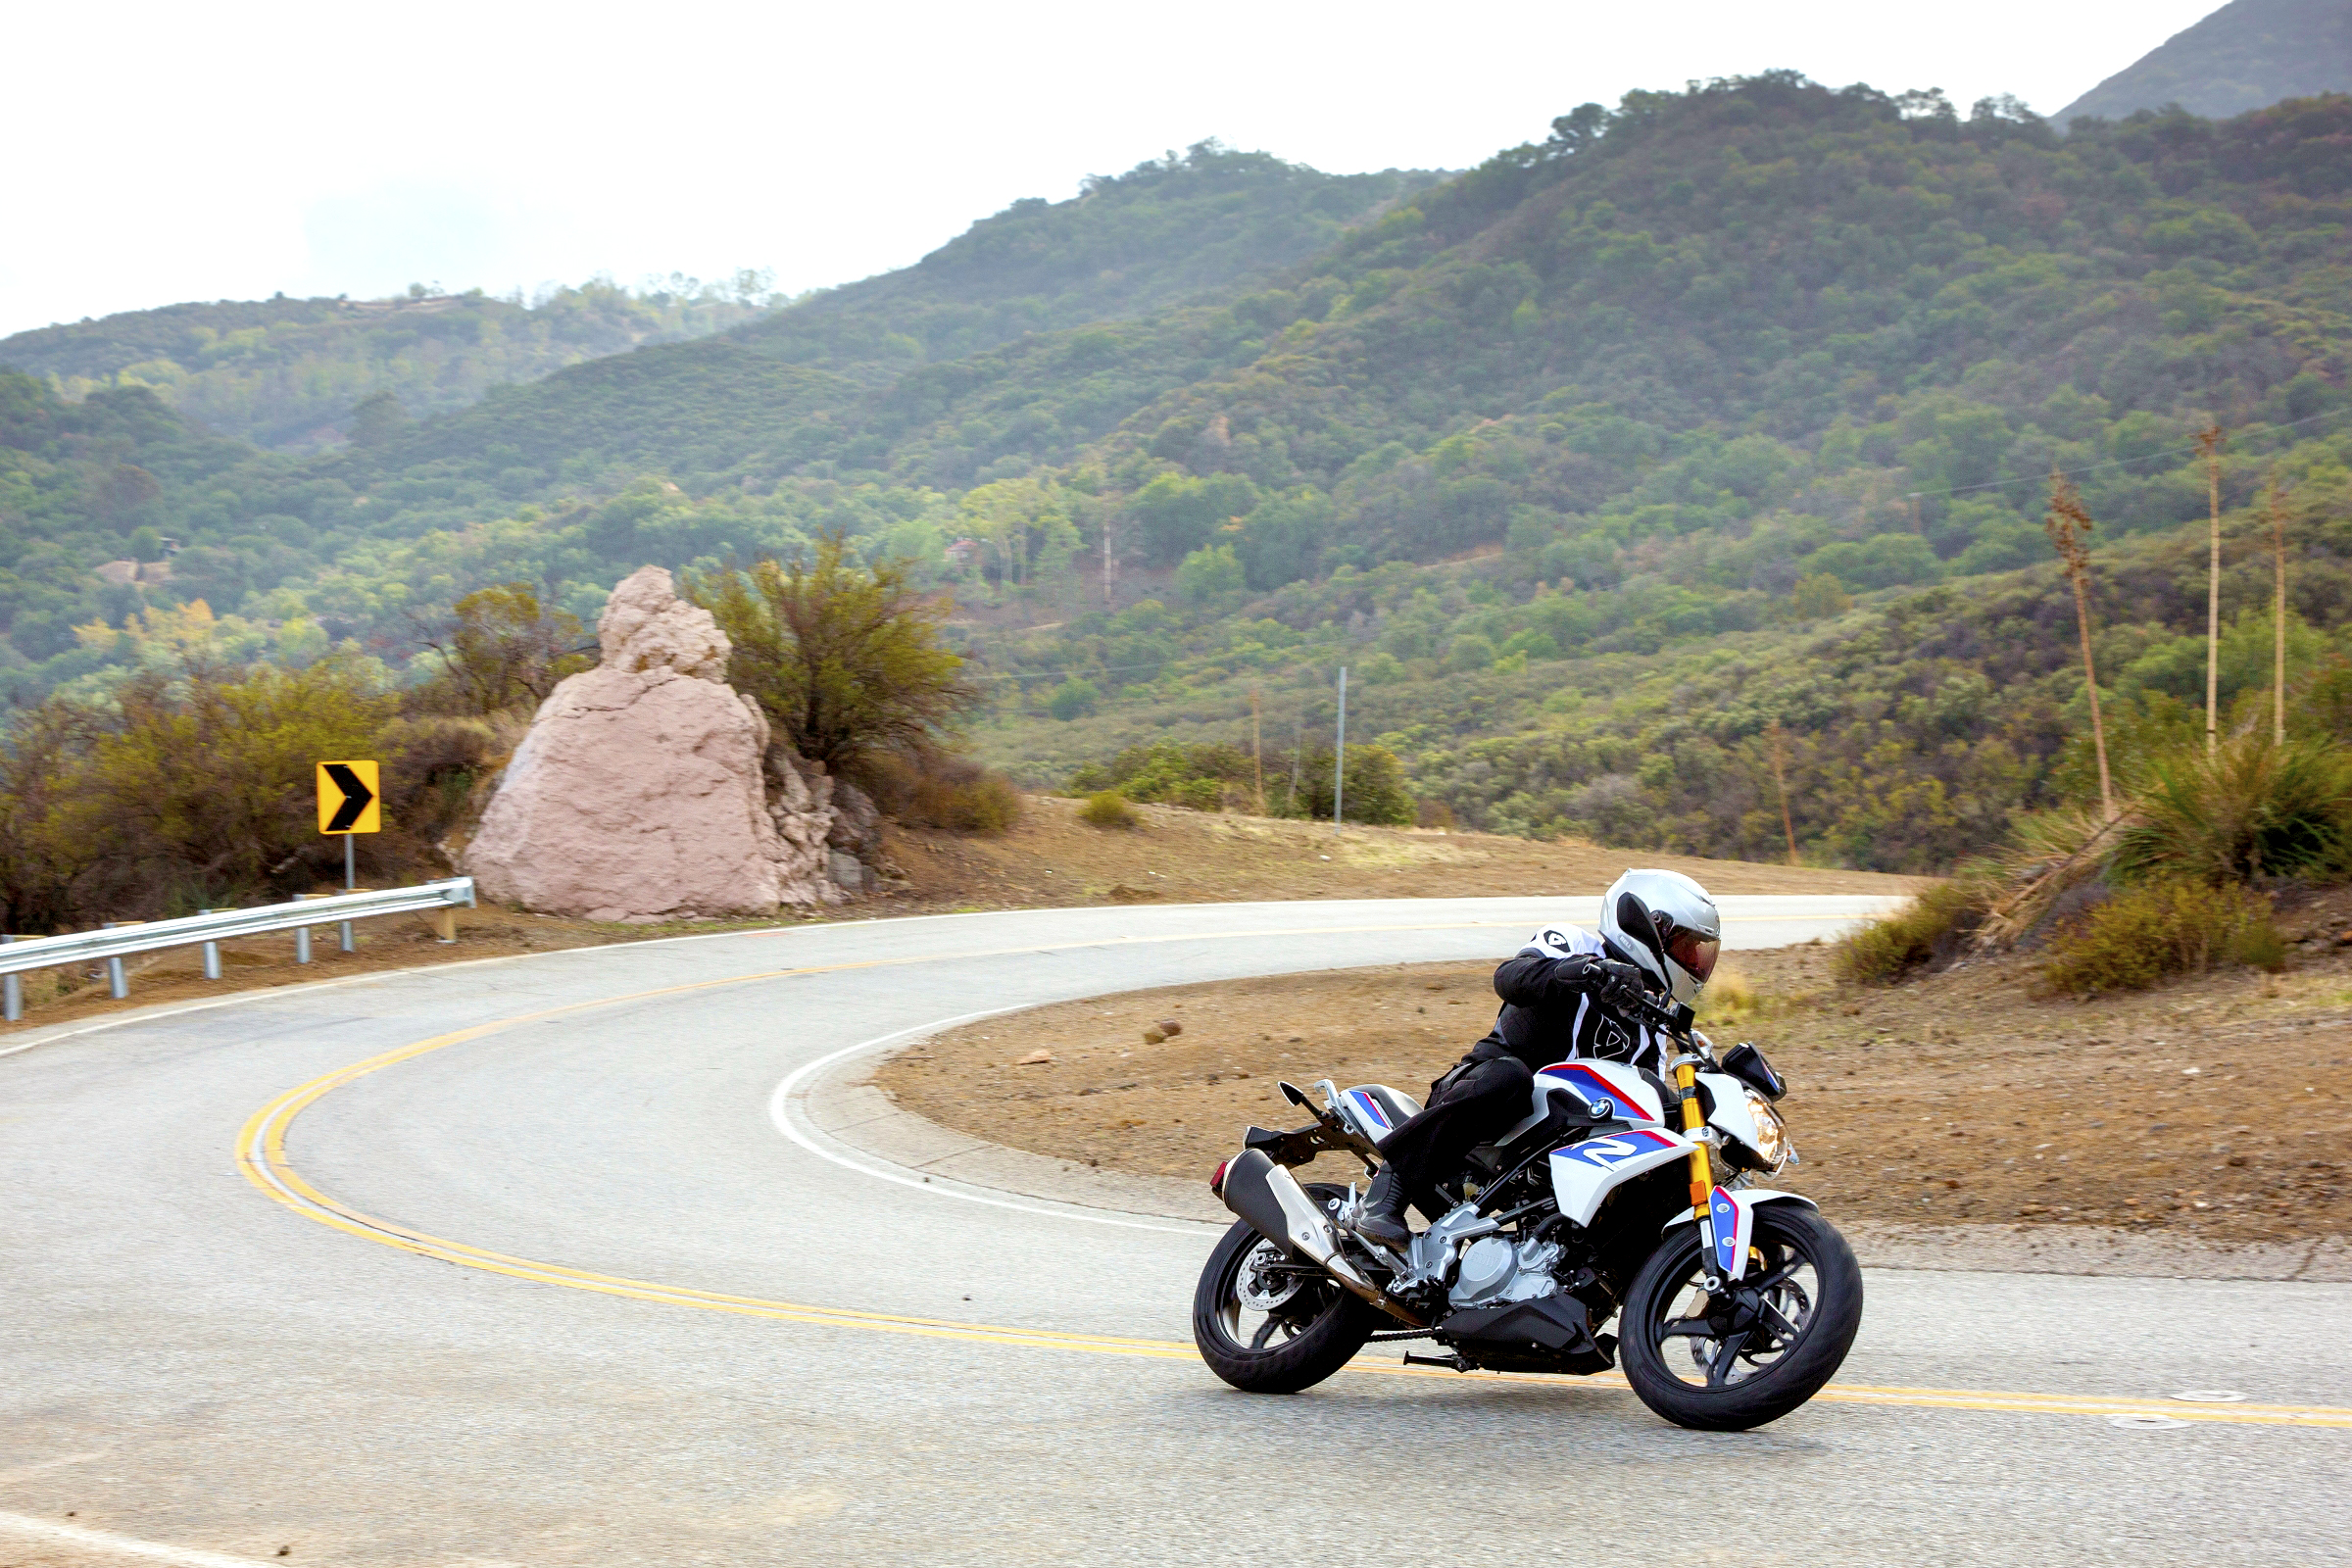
<point x="2250" y="811"/>
<point x="2050" y="854"/>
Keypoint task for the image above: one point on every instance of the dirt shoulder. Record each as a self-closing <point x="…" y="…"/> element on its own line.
<point x="1180" y="856"/>
<point x="2214" y="1109"/>
<point x="1048" y="860"/>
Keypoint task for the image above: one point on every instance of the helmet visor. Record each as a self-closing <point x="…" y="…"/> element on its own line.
<point x="1695" y="952"/>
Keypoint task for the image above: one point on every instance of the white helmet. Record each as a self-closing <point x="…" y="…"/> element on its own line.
<point x="1664" y="923"/>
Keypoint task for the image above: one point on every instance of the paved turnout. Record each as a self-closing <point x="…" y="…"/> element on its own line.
<point x="508" y="1263"/>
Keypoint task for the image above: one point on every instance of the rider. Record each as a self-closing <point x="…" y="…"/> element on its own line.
<point x="1567" y="994"/>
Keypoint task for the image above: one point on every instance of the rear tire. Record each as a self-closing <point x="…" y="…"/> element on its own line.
<point x="1302" y="1341"/>
<point x="1724" y="1379"/>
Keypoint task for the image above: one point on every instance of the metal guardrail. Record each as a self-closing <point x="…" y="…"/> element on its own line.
<point x="214" y="926"/>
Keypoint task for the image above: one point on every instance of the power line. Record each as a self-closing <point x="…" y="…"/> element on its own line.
<point x="1049" y="674"/>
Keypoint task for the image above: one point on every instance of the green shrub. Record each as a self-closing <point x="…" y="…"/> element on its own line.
<point x="1376" y="788"/>
<point x="1926" y="929"/>
<point x="2251" y="811"/>
<point x="2149" y="933"/>
<point x="1107" y="809"/>
<point x="1074" y="698"/>
<point x="1169" y="774"/>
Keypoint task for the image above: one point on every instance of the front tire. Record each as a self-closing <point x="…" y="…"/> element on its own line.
<point x="1269" y="1325"/>
<point x="1767" y="1345"/>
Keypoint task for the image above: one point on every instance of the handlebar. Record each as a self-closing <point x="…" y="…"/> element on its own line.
<point x="1657" y="1013"/>
<point x="1670" y="1021"/>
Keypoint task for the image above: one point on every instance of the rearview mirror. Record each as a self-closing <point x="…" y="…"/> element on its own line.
<point x="1634" y="917"/>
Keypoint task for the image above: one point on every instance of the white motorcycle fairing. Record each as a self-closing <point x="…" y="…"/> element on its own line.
<point x="1732" y="1115"/>
<point x="1585" y="1174"/>
<point x="1732" y="1218"/>
<point x="1610" y="1089"/>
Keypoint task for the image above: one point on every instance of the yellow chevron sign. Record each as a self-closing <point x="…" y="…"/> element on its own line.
<point x="348" y="802"/>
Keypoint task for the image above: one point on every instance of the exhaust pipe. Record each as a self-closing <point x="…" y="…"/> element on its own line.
<point x="1269" y="1197"/>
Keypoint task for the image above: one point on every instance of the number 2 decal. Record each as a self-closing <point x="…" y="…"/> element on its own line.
<point x="1615" y="1151"/>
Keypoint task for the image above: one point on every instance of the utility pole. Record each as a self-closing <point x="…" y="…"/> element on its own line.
<point x="1780" y="778"/>
<point x="2066" y="523"/>
<point x="1257" y="750"/>
<point x="2209" y="441"/>
<point x="1339" y="761"/>
<point x="2278" y="510"/>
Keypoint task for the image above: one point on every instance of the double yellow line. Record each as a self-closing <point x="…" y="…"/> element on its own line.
<point x="262" y="1158"/>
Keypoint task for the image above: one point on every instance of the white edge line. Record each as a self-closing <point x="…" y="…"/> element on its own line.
<point x="260" y="995"/>
<point x="779" y="1111"/>
<point x="128" y="1546"/>
<point x="779" y="1103"/>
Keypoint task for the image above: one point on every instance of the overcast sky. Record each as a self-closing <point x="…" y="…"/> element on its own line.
<point x="180" y="152"/>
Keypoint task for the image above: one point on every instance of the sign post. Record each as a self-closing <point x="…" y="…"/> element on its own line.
<point x="348" y="803"/>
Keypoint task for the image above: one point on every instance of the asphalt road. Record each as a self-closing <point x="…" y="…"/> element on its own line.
<point x="508" y="1263"/>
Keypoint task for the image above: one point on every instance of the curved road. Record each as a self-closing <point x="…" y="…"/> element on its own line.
<point x="507" y="1263"/>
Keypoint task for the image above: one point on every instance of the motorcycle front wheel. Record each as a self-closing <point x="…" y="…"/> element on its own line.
<point x="1764" y="1346"/>
<point x="1268" y="1324"/>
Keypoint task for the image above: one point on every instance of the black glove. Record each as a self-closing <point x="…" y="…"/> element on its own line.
<point x="1616" y="985"/>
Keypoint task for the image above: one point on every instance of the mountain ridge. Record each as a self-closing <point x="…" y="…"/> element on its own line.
<point x="2248" y="54"/>
<point x="1730" y="407"/>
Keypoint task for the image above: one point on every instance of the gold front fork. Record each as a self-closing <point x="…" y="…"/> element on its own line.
<point x="1694" y="1122"/>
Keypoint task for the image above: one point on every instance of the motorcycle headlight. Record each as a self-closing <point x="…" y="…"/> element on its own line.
<point x="1772" y="1133"/>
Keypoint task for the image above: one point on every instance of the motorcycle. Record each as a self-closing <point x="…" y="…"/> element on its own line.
<point x="1734" y="1303"/>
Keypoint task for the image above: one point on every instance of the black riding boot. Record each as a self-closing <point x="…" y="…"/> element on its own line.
<point x="1382" y="1215"/>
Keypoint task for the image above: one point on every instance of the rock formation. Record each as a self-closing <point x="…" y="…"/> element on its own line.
<point x="643" y="791"/>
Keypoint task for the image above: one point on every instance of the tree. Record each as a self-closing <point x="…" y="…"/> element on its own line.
<point x="1208" y="575"/>
<point x="2069" y="526"/>
<point x="845" y="658"/>
<point x="1376" y="787"/>
<point x="1819" y="596"/>
<point x="127" y="490"/>
<point x="1028" y="524"/>
<point x="1074" y="698"/>
<point x="500" y="649"/>
<point x="50" y="828"/>
<point x="1175" y="515"/>
<point x="205" y="780"/>
<point x="376" y="421"/>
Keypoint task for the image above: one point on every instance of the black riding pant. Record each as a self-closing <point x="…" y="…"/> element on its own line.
<point x="1483" y="1101"/>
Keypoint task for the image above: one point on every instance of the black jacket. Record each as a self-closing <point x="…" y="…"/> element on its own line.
<point x="1549" y="1011"/>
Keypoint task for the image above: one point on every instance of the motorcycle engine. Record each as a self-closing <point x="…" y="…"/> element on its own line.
<point x="1493" y="1269"/>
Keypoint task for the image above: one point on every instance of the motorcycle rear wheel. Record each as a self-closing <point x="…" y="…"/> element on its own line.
<point x="1303" y="1339"/>
<point x="1730" y="1363"/>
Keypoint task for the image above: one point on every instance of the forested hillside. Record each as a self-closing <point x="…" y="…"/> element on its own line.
<point x="1193" y="226"/>
<point x="289" y="374"/>
<point x="1578" y="460"/>
<point x="2247" y="55"/>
